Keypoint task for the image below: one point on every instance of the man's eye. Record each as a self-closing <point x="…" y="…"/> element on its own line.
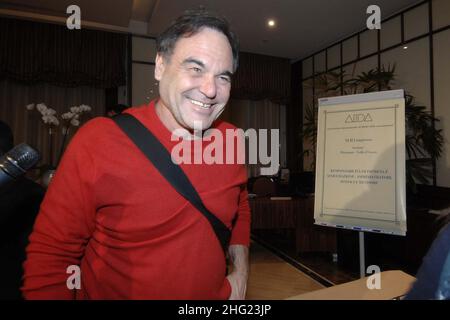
<point x="225" y="79"/>
<point x="196" y="70"/>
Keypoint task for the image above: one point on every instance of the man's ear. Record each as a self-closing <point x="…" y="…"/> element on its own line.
<point x="159" y="66"/>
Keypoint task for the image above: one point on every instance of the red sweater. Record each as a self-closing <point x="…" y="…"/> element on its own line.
<point x="109" y="211"/>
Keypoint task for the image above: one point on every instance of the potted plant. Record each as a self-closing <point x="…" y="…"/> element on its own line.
<point x="50" y="119"/>
<point x="423" y="141"/>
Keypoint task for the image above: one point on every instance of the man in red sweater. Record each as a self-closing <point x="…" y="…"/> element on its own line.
<point x="111" y="227"/>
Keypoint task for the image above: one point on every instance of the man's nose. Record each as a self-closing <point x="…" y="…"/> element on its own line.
<point x="208" y="87"/>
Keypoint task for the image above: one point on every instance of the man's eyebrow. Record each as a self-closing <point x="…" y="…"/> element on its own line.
<point x="193" y="60"/>
<point x="227" y="73"/>
<point x="201" y="64"/>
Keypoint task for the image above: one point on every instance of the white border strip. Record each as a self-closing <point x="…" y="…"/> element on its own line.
<point x="364" y="97"/>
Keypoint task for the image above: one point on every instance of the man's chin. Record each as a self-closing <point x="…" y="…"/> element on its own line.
<point x="199" y="124"/>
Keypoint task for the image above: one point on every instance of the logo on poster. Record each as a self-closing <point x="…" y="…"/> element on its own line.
<point x="358" y="117"/>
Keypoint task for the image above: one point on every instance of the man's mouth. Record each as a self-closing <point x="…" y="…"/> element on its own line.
<point x="201" y="104"/>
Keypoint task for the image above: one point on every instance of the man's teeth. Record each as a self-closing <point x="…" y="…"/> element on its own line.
<point x="203" y="105"/>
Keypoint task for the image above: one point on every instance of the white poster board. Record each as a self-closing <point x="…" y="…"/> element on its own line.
<point x="360" y="164"/>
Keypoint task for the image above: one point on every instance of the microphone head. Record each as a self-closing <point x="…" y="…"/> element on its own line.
<point x="24" y="155"/>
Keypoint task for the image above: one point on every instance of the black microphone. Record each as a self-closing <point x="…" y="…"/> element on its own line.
<point x="16" y="162"/>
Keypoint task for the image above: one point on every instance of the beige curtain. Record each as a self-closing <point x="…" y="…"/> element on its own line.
<point x="260" y="114"/>
<point x="28" y="127"/>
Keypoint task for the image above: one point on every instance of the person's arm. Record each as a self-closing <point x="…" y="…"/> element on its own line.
<point x="239" y="248"/>
<point x="64" y="224"/>
<point x="239" y="276"/>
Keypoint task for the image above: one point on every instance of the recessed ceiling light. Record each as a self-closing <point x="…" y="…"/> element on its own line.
<point x="271" y="23"/>
<point x="405" y="47"/>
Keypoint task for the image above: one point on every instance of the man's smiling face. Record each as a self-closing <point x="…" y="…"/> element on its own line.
<point x="195" y="80"/>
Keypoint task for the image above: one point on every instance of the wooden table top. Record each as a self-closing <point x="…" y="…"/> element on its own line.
<point x="394" y="284"/>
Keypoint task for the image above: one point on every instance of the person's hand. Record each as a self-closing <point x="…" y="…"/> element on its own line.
<point x="238" y="283"/>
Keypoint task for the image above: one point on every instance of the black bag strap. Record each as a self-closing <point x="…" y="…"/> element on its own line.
<point x="162" y="160"/>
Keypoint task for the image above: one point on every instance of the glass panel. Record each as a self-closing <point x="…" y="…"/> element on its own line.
<point x="368" y="42"/>
<point x="441" y="13"/>
<point x="334" y="57"/>
<point x="441" y="48"/>
<point x="350" y="49"/>
<point x="391" y="33"/>
<point x="307" y="67"/>
<point x="319" y="62"/>
<point x="416" y="21"/>
<point x="412" y="69"/>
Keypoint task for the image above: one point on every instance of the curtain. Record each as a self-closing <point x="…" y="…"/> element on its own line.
<point x="260" y="77"/>
<point x="28" y="127"/>
<point x="33" y="52"/>
<point x="261" y="114"/>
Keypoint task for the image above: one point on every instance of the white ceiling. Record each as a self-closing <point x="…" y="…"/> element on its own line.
<point x="303" y="26"/>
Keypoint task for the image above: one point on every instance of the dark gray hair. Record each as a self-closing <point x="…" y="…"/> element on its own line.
<point x="190" y="23"/>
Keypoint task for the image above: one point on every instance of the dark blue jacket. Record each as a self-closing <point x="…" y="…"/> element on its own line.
<point x="433" y="277"/>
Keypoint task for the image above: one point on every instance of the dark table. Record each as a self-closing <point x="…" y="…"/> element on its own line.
<point x="298" y="214"/>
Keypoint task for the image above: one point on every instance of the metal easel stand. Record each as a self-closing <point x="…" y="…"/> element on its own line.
<point x="362" y="255"/>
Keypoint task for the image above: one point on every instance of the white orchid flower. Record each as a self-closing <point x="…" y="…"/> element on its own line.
<point x="30" y="106"/>
<point x="74" y="109"/>
<point x="67" y="115"/>
<point x="41" y="107"/>
<point x="54" y="120"/>
<point x="75" y="122"/>
<point x="85" y="108"/>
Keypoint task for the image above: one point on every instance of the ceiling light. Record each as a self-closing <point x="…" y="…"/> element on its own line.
<point x="405" y="47"/>
<point x="271" y="23"/>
